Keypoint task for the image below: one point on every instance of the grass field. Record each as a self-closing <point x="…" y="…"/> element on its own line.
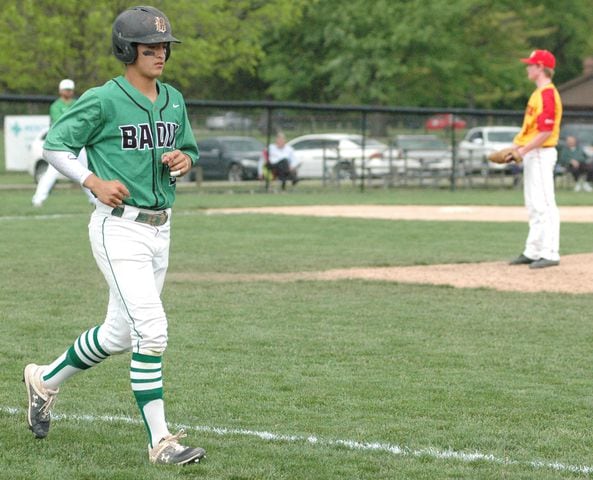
<point x="304" y="380"/>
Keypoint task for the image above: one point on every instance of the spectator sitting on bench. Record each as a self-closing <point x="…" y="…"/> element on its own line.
<point x="279" y="160"/>
<point x="575" y="160"/>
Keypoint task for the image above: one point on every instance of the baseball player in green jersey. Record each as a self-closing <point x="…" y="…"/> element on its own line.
<point x="50" y="176"/>
<point x="138" y="141"/>
<point x="64" y="102"/>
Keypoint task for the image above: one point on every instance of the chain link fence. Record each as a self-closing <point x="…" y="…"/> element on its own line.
<point x="365" y="146"/>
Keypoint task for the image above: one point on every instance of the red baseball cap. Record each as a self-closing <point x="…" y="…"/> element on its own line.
<point x="541" y="57"/>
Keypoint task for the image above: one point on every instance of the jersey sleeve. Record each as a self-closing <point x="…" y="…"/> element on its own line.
<point x="545" y="120"/>
<point x="186" y="141"/>
<point x="76" y="127"/>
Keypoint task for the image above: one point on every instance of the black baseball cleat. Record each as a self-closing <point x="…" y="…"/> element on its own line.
<point x="544" y="262"/>
<point x="522" y="260"/>
<point x="40" y="400"/>
<point x="170" y="452"/>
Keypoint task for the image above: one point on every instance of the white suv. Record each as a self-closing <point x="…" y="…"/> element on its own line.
<point x="338" y="155"/>
<point x="480" y="141"/>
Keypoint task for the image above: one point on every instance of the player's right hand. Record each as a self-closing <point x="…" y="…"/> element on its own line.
<point x="109" y="192"/>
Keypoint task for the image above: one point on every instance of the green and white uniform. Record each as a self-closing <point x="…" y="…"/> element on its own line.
<point x="125" y="135"/>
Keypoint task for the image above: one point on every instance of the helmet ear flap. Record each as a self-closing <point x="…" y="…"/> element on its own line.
<point x="125" y="52"/>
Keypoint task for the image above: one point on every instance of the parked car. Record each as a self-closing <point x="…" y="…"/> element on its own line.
<point x="583" y="133"/>
<point x="341" y="154"/>
<point x="228" y="158"/>
<point x="445" y="120"/>
<point x="480" y="141"/>
<point x="36" y="164"/>
<point x="419" y="152"/>
<point x="228" y="121"/>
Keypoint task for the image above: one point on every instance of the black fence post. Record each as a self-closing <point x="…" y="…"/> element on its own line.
<point x="324" y="164"/>
<point x="362" y="160"/>
<point x="268" y="142"/>
<point x="453" y="155"/>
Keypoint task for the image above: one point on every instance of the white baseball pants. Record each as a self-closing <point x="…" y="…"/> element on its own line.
<point x="543" y="240"/>
<point x="133" y="258"/>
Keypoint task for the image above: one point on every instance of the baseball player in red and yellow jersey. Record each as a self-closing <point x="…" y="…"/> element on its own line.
<point x="536" y="143"/>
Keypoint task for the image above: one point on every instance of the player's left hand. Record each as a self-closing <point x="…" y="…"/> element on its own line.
<point x="179" y="163"/>
<point x="506" y="155"/>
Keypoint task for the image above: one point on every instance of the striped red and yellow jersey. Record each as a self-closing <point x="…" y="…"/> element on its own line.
<point x="543" y="114"/>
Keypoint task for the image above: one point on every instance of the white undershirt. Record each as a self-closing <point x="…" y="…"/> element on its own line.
<point x="67" y="164"/>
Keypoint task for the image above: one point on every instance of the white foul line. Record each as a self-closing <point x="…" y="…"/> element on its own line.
<point x="53" y="216"/>
<point x="314" y="440"/>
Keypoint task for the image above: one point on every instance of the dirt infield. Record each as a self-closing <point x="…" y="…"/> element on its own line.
<point x="463" y="213"/>
<point x="574" y="275"/>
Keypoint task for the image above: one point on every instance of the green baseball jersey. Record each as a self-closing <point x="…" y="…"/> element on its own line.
<point x="58" y="108"/>
<point x="125" y="136"/>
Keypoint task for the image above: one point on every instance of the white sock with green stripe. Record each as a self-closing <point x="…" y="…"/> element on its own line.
<point x="85" y="352"/>
<point x="147" y="384"/>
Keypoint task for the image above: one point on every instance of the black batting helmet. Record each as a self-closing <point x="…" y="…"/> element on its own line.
<point x="145" y="25"/>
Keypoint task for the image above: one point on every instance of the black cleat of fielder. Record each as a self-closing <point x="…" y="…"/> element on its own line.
<point x="522" y="260"/>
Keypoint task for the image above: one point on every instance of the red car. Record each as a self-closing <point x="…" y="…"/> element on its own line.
<point x="444" y="120"/>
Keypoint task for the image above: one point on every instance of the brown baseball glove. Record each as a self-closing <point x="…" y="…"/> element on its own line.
<point x="506" y="155"/>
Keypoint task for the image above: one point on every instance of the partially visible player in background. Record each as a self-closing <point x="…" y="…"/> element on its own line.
<point x="50" y="177"/>
<point x="138" y="140"/>
<point x="536" y="143"/>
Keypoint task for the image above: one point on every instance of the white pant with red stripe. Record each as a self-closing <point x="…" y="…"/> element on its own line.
<point x="543" y="240"/>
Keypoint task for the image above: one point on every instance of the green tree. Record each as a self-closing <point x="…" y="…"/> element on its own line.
<point x="568" y="26"/>
<point x="223" y="43"/>
<point x="389" y="52"/>
<point x="417" y="52"/>
<point x="45" y="40"/>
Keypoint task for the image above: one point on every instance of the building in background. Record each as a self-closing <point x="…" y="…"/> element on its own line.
<point x="577" y="94"/>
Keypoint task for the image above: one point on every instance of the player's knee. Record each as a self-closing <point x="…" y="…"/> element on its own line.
<point x="114" y="342"/>
<point x="156" y="348"/>
<point x="116" y="348"/>
<point x="152" y="352"/>
<point x="153" y="345"/>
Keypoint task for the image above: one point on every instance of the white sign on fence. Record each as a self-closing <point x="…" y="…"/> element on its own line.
<point x="19" y="132"/>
